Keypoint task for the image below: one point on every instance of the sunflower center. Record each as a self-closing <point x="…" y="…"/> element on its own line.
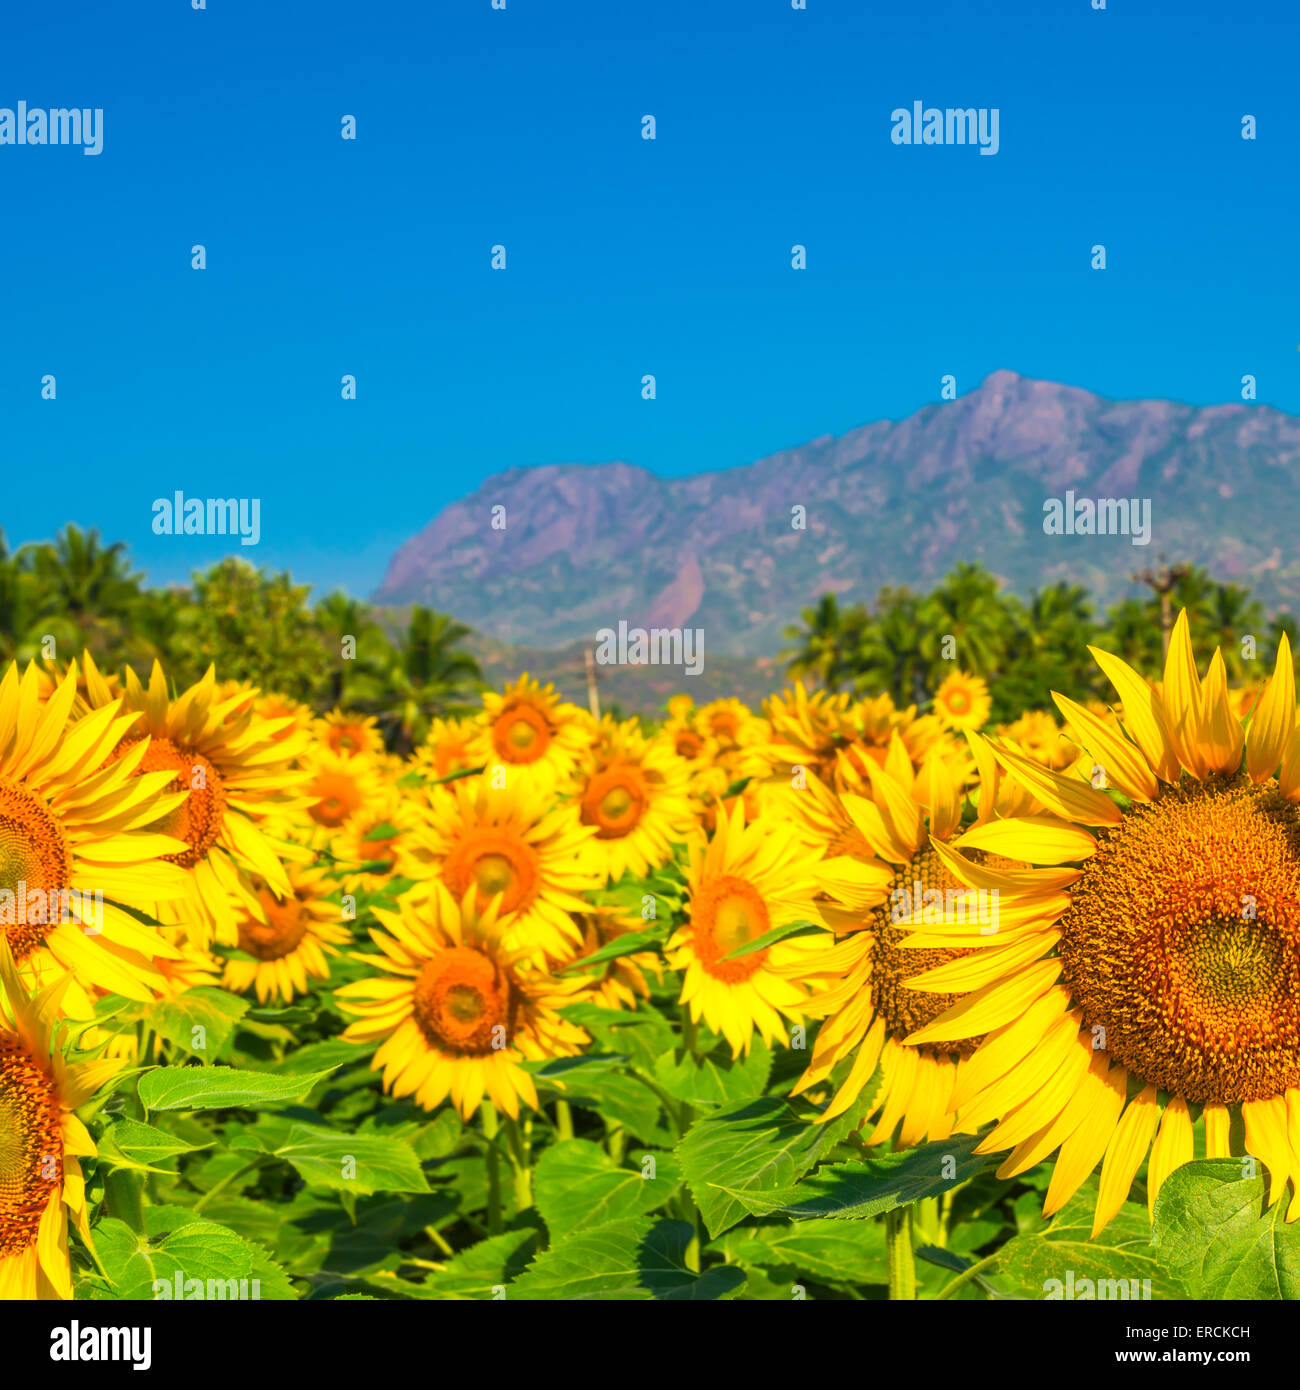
<point x="1182" y="942"/>
<point x="905" y="1010"/>
<point x="339" y="797"/>
<point x="31" y="1146"/>
<point x="464" y="1003"/>
<point x="728" y="913"/>
<point x="281" y="933"/>
<point x="34" y="858"/>
<point x="614" y="802"/>
<point x="198" y="819"/>
<point x="688" y="743"/>
<point x="521" y="734"/>
<point x="493" y="862"/>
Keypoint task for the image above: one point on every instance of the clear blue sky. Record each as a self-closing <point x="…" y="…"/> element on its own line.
<point x="475" y="126"/>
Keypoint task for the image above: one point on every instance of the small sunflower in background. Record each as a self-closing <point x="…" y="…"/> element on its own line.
<point x="235" y="771"/>
<point x="635" y="795"/>
<point x="962" y="701"/>
<point x="340" y="787"/>
<point x="530" y="732"/>
<point x="348" y="734"/>
<point x="886" y="904"/>
<point x="513" y="841"/>
<point x="1039" y="735"/>
<point x="687" y="741"/>
<point x="454" y="1011"/>
<point x="745" y="882"/>
<point x="809" y="728"/>
<point x="1162" y="989"/>
<point x="286" y="718"/>
<point x="622" y="982"/>
<point x="42" y="1190"/>
<point x="71" y="854"/>
<point x="368" y="847"/>
<point x="290" y="938"/>
<point x="448" y="748"/>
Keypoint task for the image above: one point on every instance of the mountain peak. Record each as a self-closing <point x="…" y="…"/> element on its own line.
<point x="892" y="503"/>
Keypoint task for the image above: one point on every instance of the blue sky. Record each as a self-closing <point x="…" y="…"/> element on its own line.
<point x="625" y="256"/>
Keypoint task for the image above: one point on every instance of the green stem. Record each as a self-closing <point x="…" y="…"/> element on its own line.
<point x="967" y="1275"/>
<point x="615" y="1141"/>
<point x="902" y="1260"/>
<point x="492" y="1157"/>
<point x="225" y="1182"/>
<point x="124" y="1194"/>
<point x="563" y="1119"/>
<point x="520" y="1139"/>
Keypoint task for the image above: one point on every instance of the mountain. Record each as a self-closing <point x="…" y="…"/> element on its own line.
<point x="890" y="503"/>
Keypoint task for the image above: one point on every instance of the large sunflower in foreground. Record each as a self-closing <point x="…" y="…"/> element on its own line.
<point x="513" y="841"/>
<point x="458" y="1012"/>
<point x="41" y="1186"/>
<point x="236" y="768"/>
<point x="530" y="732"/>
<point x="635" y="794"/>
<point x="1165" y="990"/>
<point x="747" y="881"/>
<point x="892" y="869"/>
<point x="71" y="844"/>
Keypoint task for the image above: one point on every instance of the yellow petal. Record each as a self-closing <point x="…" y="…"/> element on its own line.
<point x="1273" y="722"/>
<point x="1173" y="1148"/>
<point x="1124" y="1154"/>
<point x="1144" y="716"/>
<point x="1125" y="766"/>
<point x="1068" y="797"/>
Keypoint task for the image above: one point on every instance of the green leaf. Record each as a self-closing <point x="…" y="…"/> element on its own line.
<point x="870" y="1186"/>
<point x="736" y="1156"/>
<point x="223" y="1263"/>
<point x="482" y="1270"/>
<point x="376" y="1163"/>
<point x="827" y="1250"/>
<point x="770" y="938"/>
<point x="143" y="1145"/>
<point x="600" y="1084"/>
<point x="623" y="1261"/>
<point x="578" y="1184"/>
<point x="1213" y="1232"/>
<point x="218" y="1087"/>
<point x="213" y="1011"/>
<point x="1063" y="1251"/>
<point x="626" y="945"/>
<point x="717" y="1079"/>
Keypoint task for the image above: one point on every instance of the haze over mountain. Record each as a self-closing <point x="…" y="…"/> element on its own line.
<point x="890" y="503"/>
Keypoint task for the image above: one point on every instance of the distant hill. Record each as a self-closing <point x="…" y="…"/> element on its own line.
<point x="891" y="503"/>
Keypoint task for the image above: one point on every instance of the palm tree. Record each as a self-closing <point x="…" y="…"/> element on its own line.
<point x="1232" y="614"/>
<point x="85" y="583"/>
<point x="967" y="607"/>
<point x="818" y="641"/>
<point x="429" y="674"/>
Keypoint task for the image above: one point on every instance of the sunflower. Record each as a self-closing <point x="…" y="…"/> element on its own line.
<point x="1039" y="735"/>
<point x="514" y="841"/>
<point x="41" y="1140"/>
<point x="623" y="981"/>
<point x="635" y="794"/>
<point x="894" y="873"/>
<point x="340" y="787"/>
<point x="369" y="845"/>
<point x="447" y="748"/>
<point x="73" y="855"/>
<point x="1165" y="987"/>
<point x="348" y="734"/>
<point x="531" y="733"/>
<point x="236" y="771"/>
<point x="808" y="730"/>
<point x="962" y="701"/>
<point x="747" y="881"/>
<point x="289" y="938"/>
<point x="457" y="1011"/>
<point x="288" y="717"/>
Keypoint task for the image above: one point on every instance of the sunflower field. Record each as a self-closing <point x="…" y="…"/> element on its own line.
<point x="839" y="999"/>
